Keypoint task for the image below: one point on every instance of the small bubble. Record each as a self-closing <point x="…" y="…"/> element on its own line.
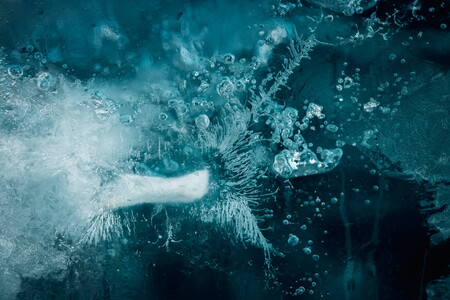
<point x="163" y="116"/>
<point x="340" y="143"/>
<point x="15" y="71"/>
<point x="293" y="240"/>
<point x="126" y="119"/>
<point x="348" y="82"/>
<point x="332" y="128"/>
<point x="45" y="81"/>
<point x="300" y="290"/>
<point x="443" y="26"/>
<point x="392" y="56"/>
<point x="202" y="122"/>
<point x="38" y="55"/>
<point x="225" y="88"/>
<point x="240" y="86"/>
<point x="228" y="59"/>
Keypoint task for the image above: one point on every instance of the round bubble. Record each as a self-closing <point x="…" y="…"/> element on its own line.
<point x="202" y="122"/>
<point x="38" y="55"/>
<point x="228" y="59"/>
<point x="15" y="71"/>
<point x="45" y="81"/>
<point x="293" y="240"/>
<point x="225" y="88"/>
<point x="163" y="116"/>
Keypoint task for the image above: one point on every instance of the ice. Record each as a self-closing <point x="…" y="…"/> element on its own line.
<point x="203" y="116"/>
<point x="130" y="189"/>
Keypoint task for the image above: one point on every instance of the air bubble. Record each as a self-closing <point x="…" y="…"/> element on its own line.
<point x="15" y="71"/>
<point x="332" y="128"/>
<point x="300" y="290"/>
<point x="45" y="81"/>
<point x="307" y="250"/>
<point x="202" y="122"/>
<point x="228" y="59"/>
<point x="126" y="119"/>
<point x="38" y="55"/>
<point x="293" y="240"/>
<point x="163" y="116"/>
<point x="225" y="88"/>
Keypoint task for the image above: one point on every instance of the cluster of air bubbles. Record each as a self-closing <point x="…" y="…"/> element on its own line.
<point x="103" y="107"/>
<point x="201" y="105"/>
<point x="344" y="83"/>
<point x="297" y="159"/>
<point x="348" y="84"/>
<point x="351" y="7"/>
<point x="371" y="105"/>
<point x="179" y="107"/>
<point x="223" y="72"/>
<point x="368" y="104"/>
<point x="282" y="122"/>
<point x="293" y="163"/>
<point x="282" y="9"/>
<point x="313" y="110"/>
<point x="306" y="285"/>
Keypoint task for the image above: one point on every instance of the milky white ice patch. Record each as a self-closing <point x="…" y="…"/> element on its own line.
<point x="60" y="144"/>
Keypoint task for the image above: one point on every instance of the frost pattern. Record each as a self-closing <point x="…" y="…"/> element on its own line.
<point x="239" y="190"/>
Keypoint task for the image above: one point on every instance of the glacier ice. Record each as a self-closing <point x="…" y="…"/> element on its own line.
<point x="164" y="132"/>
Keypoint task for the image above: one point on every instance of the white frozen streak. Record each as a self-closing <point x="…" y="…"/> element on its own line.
<point x="131" y="189"/>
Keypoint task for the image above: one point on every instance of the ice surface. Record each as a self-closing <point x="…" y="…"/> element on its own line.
<point x="175" y="142"/>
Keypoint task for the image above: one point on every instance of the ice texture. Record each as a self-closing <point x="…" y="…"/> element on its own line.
<point x="161" y="150"/>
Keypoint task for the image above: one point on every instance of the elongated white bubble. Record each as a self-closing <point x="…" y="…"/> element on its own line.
<point x="132" y="189"/>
